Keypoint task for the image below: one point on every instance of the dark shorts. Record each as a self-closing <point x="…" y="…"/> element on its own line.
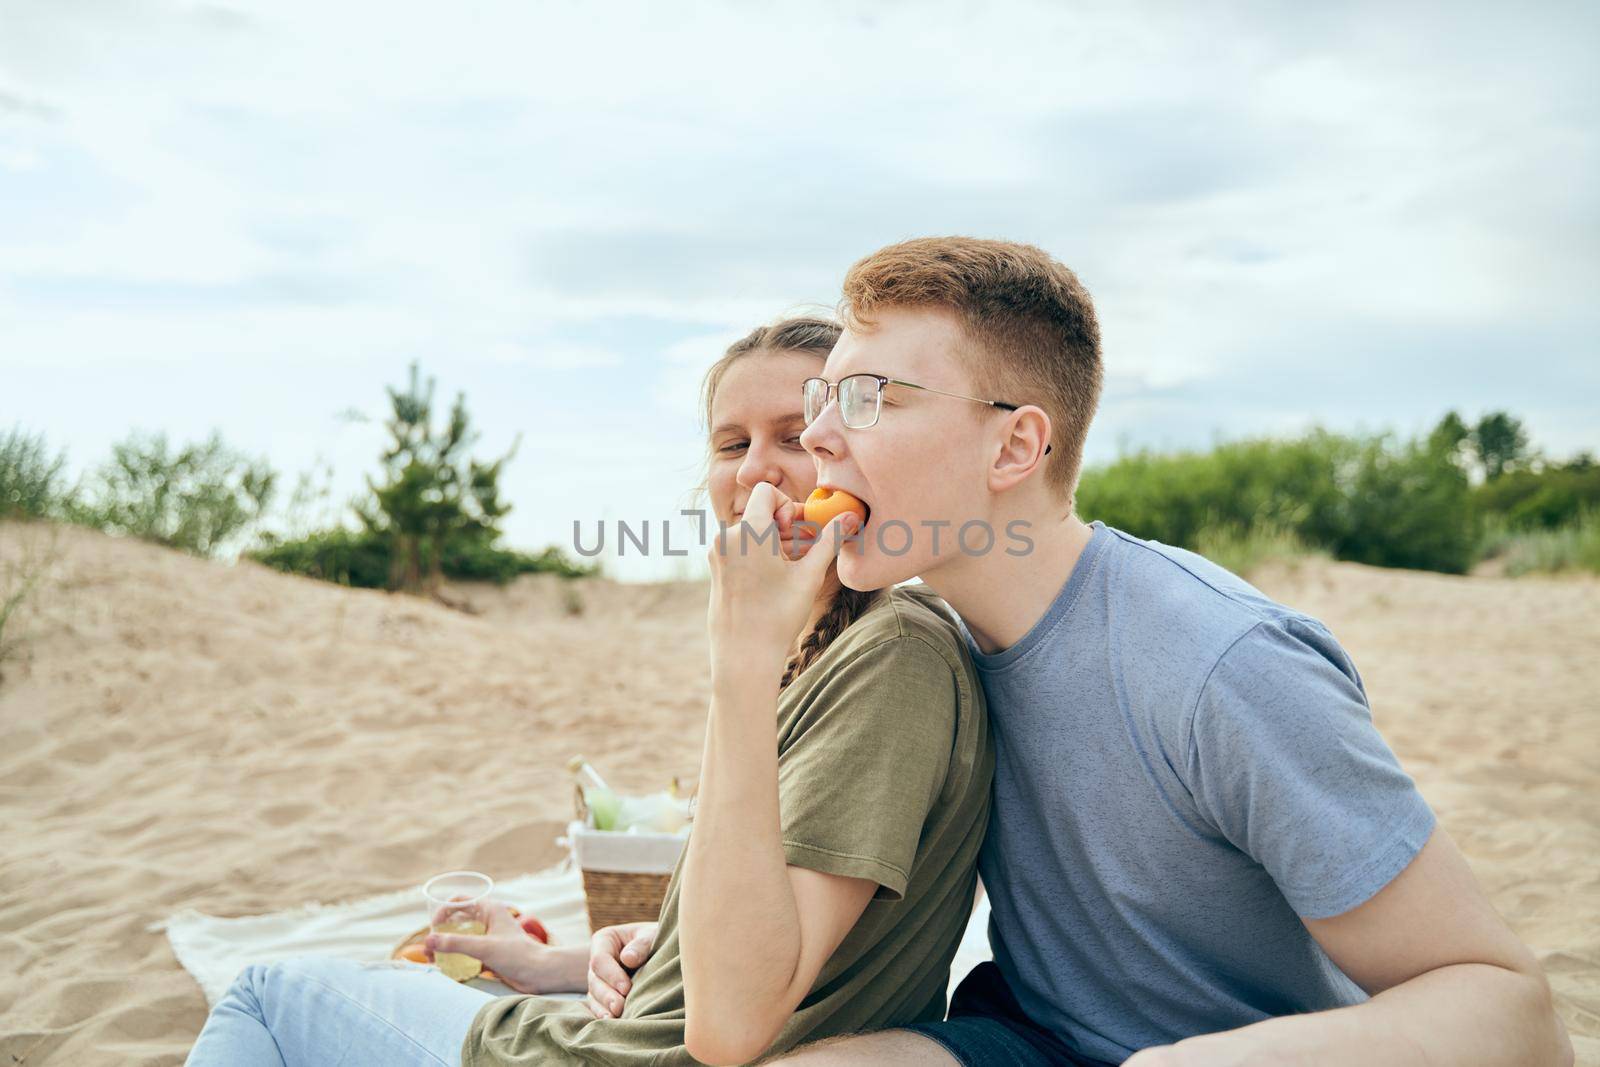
<point x="986" y="1027"/>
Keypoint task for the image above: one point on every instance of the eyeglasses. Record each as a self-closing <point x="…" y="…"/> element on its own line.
<point x="861" y="398"/>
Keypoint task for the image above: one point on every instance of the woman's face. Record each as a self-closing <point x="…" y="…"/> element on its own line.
<point x="756" y="419"/>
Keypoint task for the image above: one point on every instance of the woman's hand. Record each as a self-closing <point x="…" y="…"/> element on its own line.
<point x="523" y="962"/>
<point x="614" y="953"/>
<point x="760" y="598"/>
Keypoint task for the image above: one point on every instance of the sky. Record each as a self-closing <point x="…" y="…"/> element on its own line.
<point x="250" y="218"/>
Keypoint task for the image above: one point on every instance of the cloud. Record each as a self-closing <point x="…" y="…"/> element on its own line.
<point x="557" y="356"/>
<point x="1350" y="213"/>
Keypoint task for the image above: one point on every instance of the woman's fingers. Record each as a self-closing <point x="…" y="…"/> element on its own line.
<point x="830" y="542"/>
<point x="605" y="998"/>
<point x="636" y="951"/>
<point x="762" y="507"/>
<point x="604" y="966"/>
<point x="467" y="944"/>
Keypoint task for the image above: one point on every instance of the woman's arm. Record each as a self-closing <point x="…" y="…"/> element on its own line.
<point x="754" y="932"/>
<point x="523" y="963"/>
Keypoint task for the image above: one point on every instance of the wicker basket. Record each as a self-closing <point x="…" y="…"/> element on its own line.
<point x="625" y="876"/>
<point x="613" y="897"/>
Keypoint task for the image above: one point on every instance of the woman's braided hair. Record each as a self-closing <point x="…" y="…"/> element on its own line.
<point x="848" y="606"/>
<point x="815" y="335"/>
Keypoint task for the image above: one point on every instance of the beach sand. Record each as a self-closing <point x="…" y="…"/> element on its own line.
<point x="180" y="733"/>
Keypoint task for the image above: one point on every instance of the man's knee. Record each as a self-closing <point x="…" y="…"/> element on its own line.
<point x="882" y="1047"/>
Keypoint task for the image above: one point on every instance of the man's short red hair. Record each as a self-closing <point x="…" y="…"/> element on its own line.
<point x="1031" y="323"/>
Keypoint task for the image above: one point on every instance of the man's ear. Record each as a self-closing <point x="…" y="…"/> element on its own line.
<point x="1023" y="445"/>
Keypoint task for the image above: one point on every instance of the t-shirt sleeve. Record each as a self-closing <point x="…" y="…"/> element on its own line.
<point x="866" y="762"/>
<point x="1286" y="763"/>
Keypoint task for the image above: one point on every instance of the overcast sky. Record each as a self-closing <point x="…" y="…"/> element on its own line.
<point x="252" y="217"/>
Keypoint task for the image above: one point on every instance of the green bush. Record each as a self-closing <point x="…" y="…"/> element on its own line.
<point x="1243" y="552"/>
<point x="1543" y="499"/>
<point x="30" y="478"/>
<point x="1410" y="506"/>
<point x="361" y="558"/>
<point x="1572" y="547"/>
<point x="435" y="513"/>
<point x="477" y="562"/>
<point x="25" y="570"/>
<point x="434" y="500"/>
<point x="347" y="557"/>
<point x="1370" y="499"/>
<point x="1292" y="485"/>
<point x="196" y="498"/>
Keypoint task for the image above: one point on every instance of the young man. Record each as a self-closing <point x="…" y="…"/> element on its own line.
<point x="1202" y="852"/>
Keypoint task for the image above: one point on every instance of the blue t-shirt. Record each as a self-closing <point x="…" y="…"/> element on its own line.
<point x="1184" y="770"/>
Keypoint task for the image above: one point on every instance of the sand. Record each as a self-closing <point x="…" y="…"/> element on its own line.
<point x="176" y="732"/>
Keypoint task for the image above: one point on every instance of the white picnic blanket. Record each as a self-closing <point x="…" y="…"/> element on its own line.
<point x="214" y="949"/>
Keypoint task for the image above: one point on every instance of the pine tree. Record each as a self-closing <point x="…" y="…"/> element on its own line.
<point x="435" y="498"/>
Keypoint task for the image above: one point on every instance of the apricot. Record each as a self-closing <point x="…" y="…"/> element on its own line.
<point x="824" y="503"/>
<point x="535" y="929"/>
<point x="416" y="953"/>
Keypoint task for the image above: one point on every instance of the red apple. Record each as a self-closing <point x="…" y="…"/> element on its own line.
<point x="535" y="929"/>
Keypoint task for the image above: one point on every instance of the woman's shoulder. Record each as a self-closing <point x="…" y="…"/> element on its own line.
<point x="902" y="614"/>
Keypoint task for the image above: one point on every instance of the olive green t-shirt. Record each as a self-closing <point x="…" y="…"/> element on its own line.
<point x="884" y="767"/>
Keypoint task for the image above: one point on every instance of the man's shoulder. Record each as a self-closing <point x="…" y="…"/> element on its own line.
<point x="1170" y="585"/>
<point x="1178" y="614"/>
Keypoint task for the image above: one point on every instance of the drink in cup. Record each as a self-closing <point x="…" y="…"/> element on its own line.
<point x="455" y="906"/>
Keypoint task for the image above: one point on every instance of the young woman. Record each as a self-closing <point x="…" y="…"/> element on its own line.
<point x="831" y="867"/>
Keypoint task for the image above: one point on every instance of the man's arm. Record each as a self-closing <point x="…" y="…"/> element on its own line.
<point x="1451" y="985"/>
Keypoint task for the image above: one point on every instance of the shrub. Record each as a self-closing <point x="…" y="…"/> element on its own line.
<point x="435" y="501"/>
<point x="1410" y="506"/>
<point x="361" y="558"/>
<point x="475" y="561"/>
<point x="344" y="556"/>
<point x="1543" y="499"/>
<point x="30" y="478"/>
<point x="1244" y="551"/>
<point x="1370" y="499"/>
<point x="23" y="573"/>
<point x="1572" y="547"/>
<point x="197" y="498"/>
<point x="1292" y="485"/>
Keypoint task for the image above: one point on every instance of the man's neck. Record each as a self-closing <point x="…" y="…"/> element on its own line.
<point x="1001" y="596"/>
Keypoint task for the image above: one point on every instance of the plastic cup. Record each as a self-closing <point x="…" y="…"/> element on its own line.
<point x="455" y="906"/>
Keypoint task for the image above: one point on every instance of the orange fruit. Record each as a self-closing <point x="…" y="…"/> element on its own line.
<point x="824" y="503"/>
<point x="535" y="929"/>
<point x="415" y="953"/>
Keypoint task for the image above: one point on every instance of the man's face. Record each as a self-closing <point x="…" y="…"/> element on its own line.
<point x="925" y="462"/>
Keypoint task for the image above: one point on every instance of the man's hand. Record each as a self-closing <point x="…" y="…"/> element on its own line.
<point x="614" y="953"/>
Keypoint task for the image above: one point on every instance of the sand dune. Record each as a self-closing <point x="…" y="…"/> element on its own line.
<point x="182" y="733"/>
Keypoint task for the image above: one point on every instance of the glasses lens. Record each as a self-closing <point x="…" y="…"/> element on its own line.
<point x="858" y="401"/>
<point x="816" y="394"/>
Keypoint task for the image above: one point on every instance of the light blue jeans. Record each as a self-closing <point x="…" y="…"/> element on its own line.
<point x="315" y="1012"/>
